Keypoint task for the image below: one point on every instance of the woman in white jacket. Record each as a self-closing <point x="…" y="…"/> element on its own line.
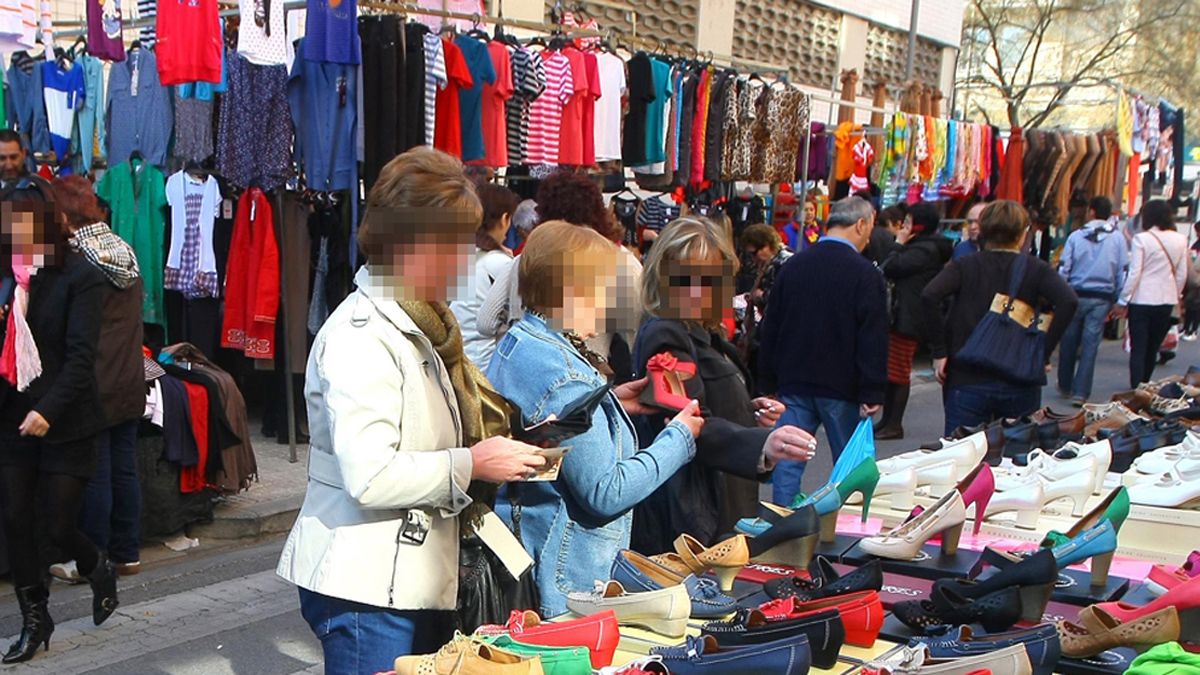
<point x="374" y="550"/>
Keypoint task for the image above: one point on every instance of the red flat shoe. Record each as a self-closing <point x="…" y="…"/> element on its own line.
<point x="597" y="632"/>
<point x="862" y="614"/>
<point x="667" y="376"/>
<point x="1185" y="598"/>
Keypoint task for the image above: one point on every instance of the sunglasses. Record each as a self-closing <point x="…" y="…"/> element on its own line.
<point x="702" y="280"/>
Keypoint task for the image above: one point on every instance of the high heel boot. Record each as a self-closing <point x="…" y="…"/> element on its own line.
<point x="103" y="580"/>
<point x="36" y="624"/>
<point x="891" y="427"/>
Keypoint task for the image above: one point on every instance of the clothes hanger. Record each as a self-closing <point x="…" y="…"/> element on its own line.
<point x="476" y="31"/>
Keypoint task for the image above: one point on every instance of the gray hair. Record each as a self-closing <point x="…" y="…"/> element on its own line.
<point x="526" y="216"/>
<point x="848" y="211"/>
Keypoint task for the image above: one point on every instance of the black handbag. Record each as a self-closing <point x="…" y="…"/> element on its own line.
<point x="1001" y="344"/>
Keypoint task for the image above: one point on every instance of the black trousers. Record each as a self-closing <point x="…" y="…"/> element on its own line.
<point x="1148" y="327"/>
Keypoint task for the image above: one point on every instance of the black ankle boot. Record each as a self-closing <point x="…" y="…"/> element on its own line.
<point x="36" y="624"/>
<point x="893" y="412"/>
<point x="103" y="580"/>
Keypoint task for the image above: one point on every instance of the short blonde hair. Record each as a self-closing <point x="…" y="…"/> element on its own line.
<point x="1003" y="223"/>
<point x="420" y="192"/>
<point x="684" y="240"/>
<point x="558" y="257"/>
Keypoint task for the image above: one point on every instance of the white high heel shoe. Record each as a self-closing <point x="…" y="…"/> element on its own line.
<point x="947" y="516"/>
<point x="1029" y="499"/>
<point x="965" y="454"/>
<point x="899" y="487"/>
<point x="1162" y="460"/>
<point x="1071" y="459"/>
<point x="1179" y="489"/>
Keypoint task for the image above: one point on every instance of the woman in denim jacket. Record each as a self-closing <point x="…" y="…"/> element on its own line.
<point x="575" y="526"/>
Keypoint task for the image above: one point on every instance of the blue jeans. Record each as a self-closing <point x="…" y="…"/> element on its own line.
<point x="968" y="405"/>
<point x="362" y="639"/>
<point x="1077" y="351"/>
<point x="809" y="413"/>
<point x="112" y="505"/>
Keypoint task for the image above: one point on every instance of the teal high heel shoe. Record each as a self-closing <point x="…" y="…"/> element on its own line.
<point x="1098" y="543"/>
<point x="850" y="474"/>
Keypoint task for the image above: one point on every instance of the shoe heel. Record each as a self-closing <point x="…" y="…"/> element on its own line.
<point x="1077" y="503"/>
<point x="868" y="492"/>
<point x="46" y="645"/>
<point x="1034" y="600"/>
<point x="1100" y="566"/>
<point x="726" y="575"/>
<point x="950" y="539"/>
<point x="1028" y="519"/>
<point x="829" y="527"/>
<point x="981" y="503"/>
<point x="1189" y="626"/>
<point x="806" y="547"/>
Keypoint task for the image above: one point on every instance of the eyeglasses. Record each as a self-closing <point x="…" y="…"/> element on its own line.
<point x="689" y="281"/>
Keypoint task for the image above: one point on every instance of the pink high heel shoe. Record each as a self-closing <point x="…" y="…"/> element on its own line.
<point x="977" y="488"/>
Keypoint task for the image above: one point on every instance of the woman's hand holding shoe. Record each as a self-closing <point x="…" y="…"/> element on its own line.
<point x="789" y="443"/>
<point x="503" y="460"/>
<point x="690" y="417"/>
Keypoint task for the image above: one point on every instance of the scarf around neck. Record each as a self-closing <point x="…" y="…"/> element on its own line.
<point x="20" y="362"/>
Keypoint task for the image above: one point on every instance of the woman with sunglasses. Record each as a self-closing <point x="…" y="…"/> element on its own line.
<point x="687" y="285"/>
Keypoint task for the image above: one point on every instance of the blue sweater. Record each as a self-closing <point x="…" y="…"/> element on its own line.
<point x="825" y="329"/>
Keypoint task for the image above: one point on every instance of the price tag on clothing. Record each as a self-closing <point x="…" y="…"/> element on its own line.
<point x="227" y="209"/>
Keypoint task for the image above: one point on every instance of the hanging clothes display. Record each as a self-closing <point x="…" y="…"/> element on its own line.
<point x="546" y="113"/>
<point x="63" y="95"/>
<point x="254" y="139"/>
<point x="529" y="81"/>
<point x="641" y="95"/>
<point x="23" y="23"/>
<point x="104" y="29"/>
<point x="188" y="43"/>
<point x="494" y="101"/>
<point x="252" y="282"/>
<point x="262" y="33"/>
<point x="139" y="116"/>
<point x="331" y="32"/>
<point x="436" y="80"/>
<point x="607" y="131"/>
<point x="191" y="266"/>
<point x="89" y="139"/>
<point x="570" y="138"/>
<point x="322" y="96"/>
<point x="25" y="91"/>
<point x="136" y="194"/>
<point x="447" y="133"/>
<point x="478" y="60"/>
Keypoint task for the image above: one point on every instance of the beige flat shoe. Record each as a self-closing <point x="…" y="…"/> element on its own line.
<point x="1098" y="631"/>
<point x="916" y="661"/>
<point x="664" y="611"/>
<point x="465" y="656"/>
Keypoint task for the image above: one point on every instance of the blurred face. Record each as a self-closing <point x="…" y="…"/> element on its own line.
<point x="25" y="228"/>
<point x="973" y="222"/>
<point x="697" y="289"/>
<point x="433" y="268"/>
<point x="12" y="160"/>
<point x="762" y="254"/>
<point x="583" y="311"/>
<point x="810" y="212"/>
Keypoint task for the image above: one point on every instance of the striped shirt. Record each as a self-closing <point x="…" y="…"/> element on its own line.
<point x="545" y="115"/>
<point x="655" y="213"/>
<point x="147" y="9"/>
<point x="529" y="80"/>
<point x="435" y="78"/>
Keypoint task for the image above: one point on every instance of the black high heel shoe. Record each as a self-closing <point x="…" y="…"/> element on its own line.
<point x="36" y="624"/>
<point x="996" y="611"/>
<point x="824" y="582"/>
<point x="1034" y="576"/>
<point x="103" y="580"/>
<point x="803" y="525"/>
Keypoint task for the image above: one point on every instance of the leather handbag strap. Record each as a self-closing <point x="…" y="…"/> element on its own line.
<point x="1174" y="266"/>
<point x="1016" y="276"/>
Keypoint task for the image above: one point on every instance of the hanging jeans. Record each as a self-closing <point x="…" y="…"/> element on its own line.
<point x="112" y="505"/>
<point x="839" y="418"/>
<point x="1148" y="327"/>
<point x="1081" y="341"/>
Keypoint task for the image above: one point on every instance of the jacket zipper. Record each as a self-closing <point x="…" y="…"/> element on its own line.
<point x="395" y="564"/>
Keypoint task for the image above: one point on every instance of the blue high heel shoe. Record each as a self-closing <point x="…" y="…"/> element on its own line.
<point x="855" y="471"/>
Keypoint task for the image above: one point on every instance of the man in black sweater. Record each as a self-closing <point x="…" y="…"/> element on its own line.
<point x="824" y="337"/>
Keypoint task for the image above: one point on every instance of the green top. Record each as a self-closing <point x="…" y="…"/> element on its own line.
<point x="1165" y="659"/>
<point x="136" y="193"/>
<point x="555" y="660"/>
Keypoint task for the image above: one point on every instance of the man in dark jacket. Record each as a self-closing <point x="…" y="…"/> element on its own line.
<point x="824" y="336"/>
<point x="920" y="253"/>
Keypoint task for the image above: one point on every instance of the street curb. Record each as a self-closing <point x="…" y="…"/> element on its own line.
<point x="247" y="522"/>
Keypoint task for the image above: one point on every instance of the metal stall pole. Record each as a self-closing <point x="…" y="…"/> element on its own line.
<point x="289" y="389"/>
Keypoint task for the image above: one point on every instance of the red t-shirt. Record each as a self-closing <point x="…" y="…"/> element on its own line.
<point x="589" y="108"/>
<point x="570" y="148"/>
<point x="495" y="123"/>
<point x="447" y="130"/>
<point x="188" y="42"/>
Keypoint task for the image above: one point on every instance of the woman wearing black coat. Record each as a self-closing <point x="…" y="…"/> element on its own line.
<point x="48" y="419"/>
<point x="687" y="283"/>
<point x="918" y="254"/>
